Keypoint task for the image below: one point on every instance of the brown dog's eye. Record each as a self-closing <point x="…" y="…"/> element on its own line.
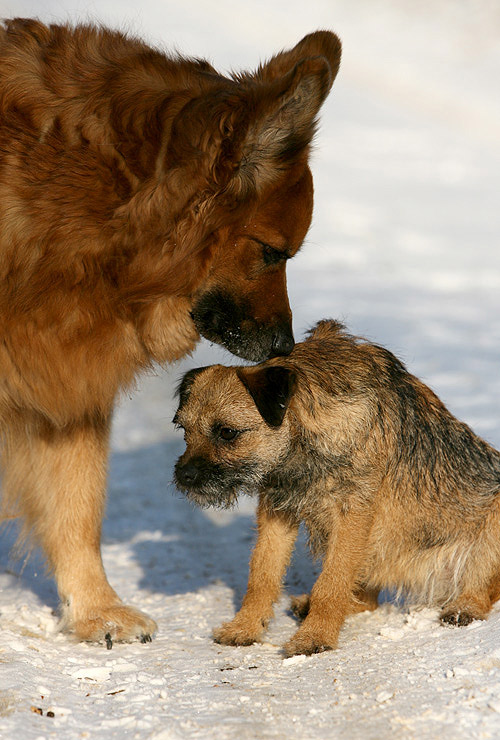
<point x="226" y="433"/>
<point x="272" y="256"/>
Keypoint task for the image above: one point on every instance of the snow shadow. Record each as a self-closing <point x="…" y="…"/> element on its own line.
<point x="151" y="528"/>
<point x="179" y="547"/>
<point x="24" y="570"/>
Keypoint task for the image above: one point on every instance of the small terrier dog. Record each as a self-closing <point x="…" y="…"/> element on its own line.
<point x="394" y="490"/>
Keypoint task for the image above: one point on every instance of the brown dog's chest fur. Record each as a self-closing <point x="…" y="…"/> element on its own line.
<point x="76" y="213"/>
<point x="65" y="365"/>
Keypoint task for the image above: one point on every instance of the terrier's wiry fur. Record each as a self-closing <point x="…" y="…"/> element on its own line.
<point x="394" y="490"/>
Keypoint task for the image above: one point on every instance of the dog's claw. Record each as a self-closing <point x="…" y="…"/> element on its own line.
<point x="457" y="619"/>
<point x="109" y="641"/>
<point x="146" y="638"/>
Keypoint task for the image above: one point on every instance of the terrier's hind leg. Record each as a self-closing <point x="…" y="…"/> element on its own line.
<point x="363" y="599"/>
<point x="300" y="605"/>
<point x="466" y="608"/>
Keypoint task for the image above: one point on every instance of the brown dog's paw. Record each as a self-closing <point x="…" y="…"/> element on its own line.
<point x="458" y="618"/>
<point x="305" y="642"/>
<point x="238" y="632"/>
<point x="466" y="609"/>
<point x="113" y="624"/>
<point x="300" y="605"/>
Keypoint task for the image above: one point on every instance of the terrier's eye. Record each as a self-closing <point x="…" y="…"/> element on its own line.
<point x="227" y="434"/>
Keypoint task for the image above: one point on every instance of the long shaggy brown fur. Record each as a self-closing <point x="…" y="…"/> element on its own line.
<point x="145" y="199"/>
<point x="396" y="492"/>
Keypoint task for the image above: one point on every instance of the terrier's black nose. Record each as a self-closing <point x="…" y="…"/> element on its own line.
<point x="188" y="474"/>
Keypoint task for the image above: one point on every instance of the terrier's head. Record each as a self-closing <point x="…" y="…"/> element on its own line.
<point x="235" y="427"/>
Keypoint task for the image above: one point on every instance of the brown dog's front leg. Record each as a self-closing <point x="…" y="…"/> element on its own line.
<point x="58" y="476"/>
<point x="331" y="597"/>
<point x="271" y="555"/>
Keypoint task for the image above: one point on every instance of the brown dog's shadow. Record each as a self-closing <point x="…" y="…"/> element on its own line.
<point x="25" y="570"/>
<point x="177" y="547"/>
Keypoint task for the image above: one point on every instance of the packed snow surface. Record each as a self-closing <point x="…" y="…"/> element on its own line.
<point x="404" y="249"/>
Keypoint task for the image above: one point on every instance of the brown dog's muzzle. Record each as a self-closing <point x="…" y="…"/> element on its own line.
<point x="222" y="318"/>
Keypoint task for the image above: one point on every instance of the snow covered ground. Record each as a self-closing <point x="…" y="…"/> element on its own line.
<point x="404" y="248"/>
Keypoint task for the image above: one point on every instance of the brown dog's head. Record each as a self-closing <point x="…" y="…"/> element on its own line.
<point x="235" y="427"/>
<point x="243" y="304"/>
<point x="239" y="153"/>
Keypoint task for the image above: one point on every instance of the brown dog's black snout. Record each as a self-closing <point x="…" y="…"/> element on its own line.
<point x="230" y="321"/>
<point x="283" y="343"/>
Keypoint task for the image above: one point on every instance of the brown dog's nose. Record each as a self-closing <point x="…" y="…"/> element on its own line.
<point x="283" y="343"/>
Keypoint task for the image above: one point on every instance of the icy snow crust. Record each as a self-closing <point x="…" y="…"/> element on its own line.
<point x="404" y="249"/>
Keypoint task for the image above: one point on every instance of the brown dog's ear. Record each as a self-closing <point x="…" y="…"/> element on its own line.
<point x="271" y="389"/>
<point x="318" y="44"/>
<point x="241" y="135"/>
<point x="283" y="126"/>
<point x="289" y="92"/>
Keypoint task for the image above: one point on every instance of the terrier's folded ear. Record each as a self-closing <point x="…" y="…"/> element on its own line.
<point x="271" y="388"/>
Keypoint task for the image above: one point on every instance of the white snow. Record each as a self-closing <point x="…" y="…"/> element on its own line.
<point x="404" y="248"/>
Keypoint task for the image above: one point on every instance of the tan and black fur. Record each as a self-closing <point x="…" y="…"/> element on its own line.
<point x="395" y="492"/>
<point x="145" y="200"/>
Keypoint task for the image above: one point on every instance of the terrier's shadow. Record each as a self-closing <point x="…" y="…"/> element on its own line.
<point x="179" y="548"/>
<point x="182" y="548"/>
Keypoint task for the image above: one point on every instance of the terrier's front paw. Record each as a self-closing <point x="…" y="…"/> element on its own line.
<point x="239" y="631"/>
<point x="307" y="642"/>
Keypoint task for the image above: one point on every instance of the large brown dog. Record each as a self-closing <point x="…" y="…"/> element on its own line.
<point x="395" y="492"/>
<point x="144" y="200"/>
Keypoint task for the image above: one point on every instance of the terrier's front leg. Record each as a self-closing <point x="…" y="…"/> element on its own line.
<point x="276" y="538"/>
<point x="331" y="597"/>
